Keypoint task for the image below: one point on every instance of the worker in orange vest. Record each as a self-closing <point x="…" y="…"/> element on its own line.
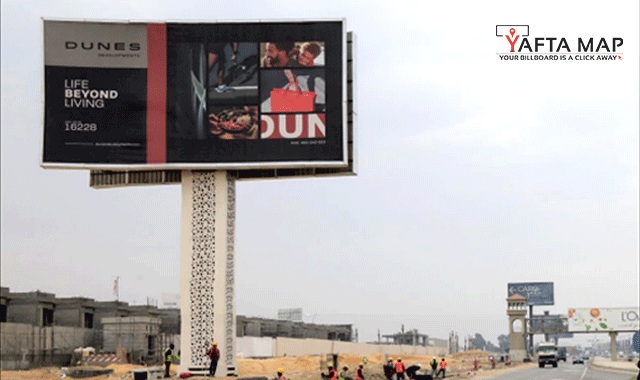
<point x="443" y="368"/>
<point x="331" y="375"/>
<point x="360" y="372"/>
<point x="280" y="374"/>
<point x="214" y="355"/>
<point x="400" y="369"/>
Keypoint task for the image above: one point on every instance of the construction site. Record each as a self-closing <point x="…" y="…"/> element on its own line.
<point x="304" y="367"/>
<point x="47" y="337"/>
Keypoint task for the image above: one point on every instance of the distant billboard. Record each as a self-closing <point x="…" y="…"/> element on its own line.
<point x="623" y="319"/>
<point x="170" y="300"/>
<point x="229" y="95"/>
<point x="548" y="324"/>
<point x="537" y="293"/>
<point x="290" y="314"/>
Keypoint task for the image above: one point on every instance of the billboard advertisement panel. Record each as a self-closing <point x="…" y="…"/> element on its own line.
<point x="195" y="95"/>
<point x="548" y="324"/>
<point x="537" y="293"/>
<point x="623" y="319"/>
<point x="290" y="314"/>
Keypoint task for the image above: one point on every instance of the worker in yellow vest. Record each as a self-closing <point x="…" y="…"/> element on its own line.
<point x="168" y="357"/>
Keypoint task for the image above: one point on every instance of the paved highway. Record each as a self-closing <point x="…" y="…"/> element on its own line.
<point x="564" y="371"/>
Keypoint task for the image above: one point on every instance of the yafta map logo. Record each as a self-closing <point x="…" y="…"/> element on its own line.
<point x="519" y="45"/>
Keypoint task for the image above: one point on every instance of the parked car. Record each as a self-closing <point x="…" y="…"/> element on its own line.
<point x="578" y="360"/>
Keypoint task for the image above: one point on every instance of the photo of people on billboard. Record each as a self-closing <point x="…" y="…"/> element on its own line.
<point x="292" y="90"/>
<point x="292" y="54"/>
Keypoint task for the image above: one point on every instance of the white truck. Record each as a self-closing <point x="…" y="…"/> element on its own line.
<point x="547" y="354"/>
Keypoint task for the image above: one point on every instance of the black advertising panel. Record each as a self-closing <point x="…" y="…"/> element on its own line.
<point x="536" y="293"/>
<point x="195" y="95"/>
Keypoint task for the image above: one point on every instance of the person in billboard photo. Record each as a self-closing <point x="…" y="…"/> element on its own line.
<point x="235" y="123"/>
<point x="277" y="54"/>
<point x="307" y="54"/>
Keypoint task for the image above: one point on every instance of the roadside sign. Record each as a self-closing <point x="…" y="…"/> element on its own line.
<point x="536" y="293"/>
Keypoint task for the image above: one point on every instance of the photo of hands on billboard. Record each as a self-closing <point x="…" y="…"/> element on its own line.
<point x="216" y="90"/>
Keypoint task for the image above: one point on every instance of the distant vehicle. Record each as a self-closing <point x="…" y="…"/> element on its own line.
<point x="585" y="357"/>
<point x="578" y="360"/>
<point x="562" y="354"/>
<point x="547" y="354"/>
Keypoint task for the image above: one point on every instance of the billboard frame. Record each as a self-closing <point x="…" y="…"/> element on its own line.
<point x="347" y="160"/>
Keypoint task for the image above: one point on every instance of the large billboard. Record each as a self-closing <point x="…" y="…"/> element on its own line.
<point x="536" y="293"/>
<point x="234" y="95"/>
<point x="623" y="319"/>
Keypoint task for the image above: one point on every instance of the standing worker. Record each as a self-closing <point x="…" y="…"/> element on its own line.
<point x="280" y="374"/>
<point x="434" y="366"/>
<point x="389" y="369"/>
<point x="360" y="372"/>
<point x="168" y="355"/>
<point x="214" y="355"/>
<point x="443" y="368"/>
<point x="400" y="369"/>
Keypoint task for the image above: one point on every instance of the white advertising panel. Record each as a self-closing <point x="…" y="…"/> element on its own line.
<point x="170" y="300"/>
<point x="604" y="319"/>
<point x="290" y="314"/>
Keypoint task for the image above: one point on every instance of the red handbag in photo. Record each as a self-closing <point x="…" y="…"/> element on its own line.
<point x="286" y="100"/>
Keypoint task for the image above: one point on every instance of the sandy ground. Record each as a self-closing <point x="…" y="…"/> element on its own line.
<point x="302" y="367"/>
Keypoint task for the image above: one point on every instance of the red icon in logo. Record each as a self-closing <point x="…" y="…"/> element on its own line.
<point x="512" y="43"/>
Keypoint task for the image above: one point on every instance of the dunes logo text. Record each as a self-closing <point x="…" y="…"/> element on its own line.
<point x="520" y="46"/>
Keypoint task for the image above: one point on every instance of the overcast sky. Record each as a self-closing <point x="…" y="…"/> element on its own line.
<point x="473" y="172"/>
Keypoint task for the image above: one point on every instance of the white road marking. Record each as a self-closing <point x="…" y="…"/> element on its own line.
<point x="584" y="373"/>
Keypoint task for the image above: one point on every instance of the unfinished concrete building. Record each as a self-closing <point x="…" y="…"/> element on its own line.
<point x="4" y="300"/>
<point x="139" y="335"/>
<point x="75" y="312"/>
<point x="411" y="338"/>
<point x="264" y="327"/>
<point x="35" y="308"/>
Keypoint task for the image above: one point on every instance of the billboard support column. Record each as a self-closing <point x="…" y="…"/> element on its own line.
<point x="614" y="345"/>
<point x="207" y="291"/>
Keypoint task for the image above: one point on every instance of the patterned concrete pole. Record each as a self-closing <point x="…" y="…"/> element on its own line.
<point x="207" y="294"/>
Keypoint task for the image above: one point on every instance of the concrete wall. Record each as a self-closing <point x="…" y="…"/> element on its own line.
<point x="23" y="345"/>
<point x="255" y="347"/>
<point x="27" y="313"/>
<point x="68" y="317"/>
<point x="270" y="347"/>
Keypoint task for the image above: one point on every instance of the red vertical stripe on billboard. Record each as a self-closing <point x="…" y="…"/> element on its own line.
<point x="156" y="93"/>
